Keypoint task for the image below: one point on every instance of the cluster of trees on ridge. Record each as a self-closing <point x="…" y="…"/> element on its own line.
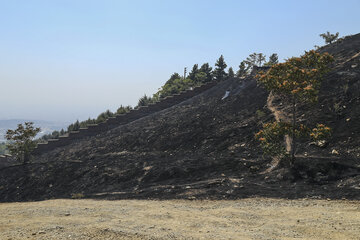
<point x="77" y="125"/>
<point x="177" y="83"/>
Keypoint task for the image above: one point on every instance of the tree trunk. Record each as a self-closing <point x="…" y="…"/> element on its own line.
<point x="26" y="153"/>
<point x="293" y="142"/>
<point x="26" y="157"/>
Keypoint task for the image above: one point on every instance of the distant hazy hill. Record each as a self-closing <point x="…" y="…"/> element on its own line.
<point x="46" y="126"/>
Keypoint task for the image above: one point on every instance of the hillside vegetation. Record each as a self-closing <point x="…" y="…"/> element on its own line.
<point x="175" y="85"/>
<point x="205" y="148"/>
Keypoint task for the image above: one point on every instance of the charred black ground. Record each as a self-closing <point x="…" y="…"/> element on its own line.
<point x="205" y="148"/>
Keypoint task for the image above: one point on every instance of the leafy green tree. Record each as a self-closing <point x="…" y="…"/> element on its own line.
<point x="193" y="72"/>
<point x="176" y="86"/>
<point x="123" y="109"/>
<point x="144" y="101"/>
<point x="101" y="118"/>
<point x="251" y="60"/>
<point x="231" y="73"/>
<point x="70" y="127"/>
<point x="205" y="68"/>
<point x="297" y="80"/>
<point x="260" y="59"/>
<point x="243" y="70"/>
<point x="55" y="134"/>
<point x="273" y="59"/>
<point x="75" y="126"/>
<point x="21" y="141"/>
<point x="108" y="114"/>
<point x="156" y="97"/>
<point x="173" y="77"/>
<point x="62" y="132"/>
<point x="87" y="122"/>
<point x="83" y="124"/>
<point x="200" y="77"/>
<point x="219" y="71"/>
<point x="255" y="59"/>
<point x="328" y="37"/>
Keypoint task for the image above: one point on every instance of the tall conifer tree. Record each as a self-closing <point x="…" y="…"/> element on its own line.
<point x="231" y="73"/>
<point x="193" y="72"/>
<point x="205" y="68"/>
<point x="219" y="72"/>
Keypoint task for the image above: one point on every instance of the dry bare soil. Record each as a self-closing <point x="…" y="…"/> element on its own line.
<point x="253" y="218"/>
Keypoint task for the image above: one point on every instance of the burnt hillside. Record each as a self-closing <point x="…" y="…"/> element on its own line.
<point x="205" y="148"/>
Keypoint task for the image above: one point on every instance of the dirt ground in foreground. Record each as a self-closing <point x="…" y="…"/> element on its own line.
<point x="255" y="218"/>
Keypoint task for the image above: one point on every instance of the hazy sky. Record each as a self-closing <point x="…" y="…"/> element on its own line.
<point x="67" y="60"/>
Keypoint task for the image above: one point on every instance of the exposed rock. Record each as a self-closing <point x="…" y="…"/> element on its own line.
<point x="334" y="151"/>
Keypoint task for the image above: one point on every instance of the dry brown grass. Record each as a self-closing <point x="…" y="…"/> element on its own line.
<point x="255" y="218"/>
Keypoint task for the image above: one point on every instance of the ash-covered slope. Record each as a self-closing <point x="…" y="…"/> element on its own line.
<point x="205" y="148"/>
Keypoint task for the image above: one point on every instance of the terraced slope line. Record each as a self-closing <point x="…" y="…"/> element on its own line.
<point x="110" y="123"/>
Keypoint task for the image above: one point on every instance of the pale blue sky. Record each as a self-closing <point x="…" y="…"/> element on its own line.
<point x="67" y="60"/>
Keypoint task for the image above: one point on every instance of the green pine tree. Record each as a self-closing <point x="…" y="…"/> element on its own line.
<point x="273" y="59"/>
<point x="231" y="73"/>
<point x="255" y="59"/>
<point x="205" y="68"/>
<point x="193" y="72"/>
<point x="243" y="70"/>
<point x="144" y="101"/>
<point x="328" y="37"/>
<point x="219" y="71"/>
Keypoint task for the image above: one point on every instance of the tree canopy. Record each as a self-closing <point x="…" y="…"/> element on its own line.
<point x="243" y="69"/>
<point x="296" y="80"/>
<point x="255" y="59"/>
<point x="144" y="101"/>
<point x="231" y="73"/>
<point x="207" y="70"/>
<point x="219" y="71"/>
<point x="298" y="77"/>
<point x="273" y="59"/>
<point x="329" y="37"/>
<point x="194" y="71"/>
<point x="21" y="141"/>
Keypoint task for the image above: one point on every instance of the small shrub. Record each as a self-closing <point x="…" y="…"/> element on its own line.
<point x="337" y="108"/>
<point x="260" y="114"/>
<point x="320" y="133"/>
<point x="271" y="137"/>
<point x="77" y="195"/>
